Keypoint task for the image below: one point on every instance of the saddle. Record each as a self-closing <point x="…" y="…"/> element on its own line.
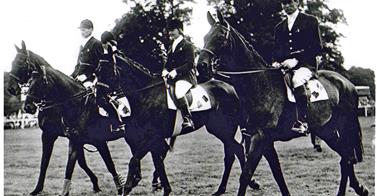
<point x="314" y="86"/>
<point x="198" y="100"/>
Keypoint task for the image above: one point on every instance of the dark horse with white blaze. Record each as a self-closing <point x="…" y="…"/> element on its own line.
<point x="270" y="114"/>
<point x="52" y="126"/>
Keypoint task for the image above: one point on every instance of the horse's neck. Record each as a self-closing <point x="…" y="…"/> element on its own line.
<point x="151" y="98"/>
<point x="38" y="60"/>
<point x="64" y="83"/>
<point x="264" y="83"/>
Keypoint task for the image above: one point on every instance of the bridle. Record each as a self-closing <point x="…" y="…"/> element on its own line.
<point x="30" y="68"/>
<point x="215" y="58"/>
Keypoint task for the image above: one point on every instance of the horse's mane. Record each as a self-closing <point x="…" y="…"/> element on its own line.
<point x="38" y="59"/>
<point x="253" y="54"/>
<point x="135" y="65"/>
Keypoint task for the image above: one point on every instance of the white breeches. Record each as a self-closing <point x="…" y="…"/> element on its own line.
<point x="301" y="76"/>
<point x="181" y="88"/>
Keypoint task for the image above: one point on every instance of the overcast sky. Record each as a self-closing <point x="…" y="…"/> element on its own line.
<point x="49" y="28"/>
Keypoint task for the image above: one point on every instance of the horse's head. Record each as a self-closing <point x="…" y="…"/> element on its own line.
<point x="23" y="65"/>
<point x="22" y="68"/>
<point x="216" y="44"/>
<point x="226" y="49"/>
<point x="39" y="90"/>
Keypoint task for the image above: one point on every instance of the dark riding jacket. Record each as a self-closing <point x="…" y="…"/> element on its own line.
<point x="183" y="61"/>
<point x="303" y="42"/>
<point x="88" y="59"/>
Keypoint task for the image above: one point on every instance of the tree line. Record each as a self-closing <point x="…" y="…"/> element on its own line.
<point x="141" y="33"/>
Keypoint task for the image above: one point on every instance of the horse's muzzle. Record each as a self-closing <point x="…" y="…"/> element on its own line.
<point x="14" y="90"/>
<point x="30" y="108"/>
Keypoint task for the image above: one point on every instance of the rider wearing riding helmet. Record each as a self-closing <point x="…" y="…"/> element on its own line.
<point x="91" y="52"/>
<point x="179" y="70"/>
<point x="297" y="47"/>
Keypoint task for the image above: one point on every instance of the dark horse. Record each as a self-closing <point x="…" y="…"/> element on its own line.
<point x="51" y="124"/>
<point x="151" y="121"/>
<point x="270" y="114"/>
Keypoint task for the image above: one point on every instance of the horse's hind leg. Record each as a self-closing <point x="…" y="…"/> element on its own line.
<point x="156" y="184"/>
<point x="158" y="160"/>
<point x="47" y="146"/>
<point x="344" y="172"/>
<point x="316" y="142"/>
<point x="103" y="149"/>
<point x="228" y="162"/>
<point x="354" y="183"/>
<point x="273" y="160"/>
<point x="82" y="163"/>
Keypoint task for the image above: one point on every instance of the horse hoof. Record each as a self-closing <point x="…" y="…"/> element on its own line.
<point x="36" y="192"/>
<point x="219" y="192"/>
<point x="97" y="190"/>
<point x="156" y="187"/>
<point x="317" y="148"/>
<point x="167" y="192"/>
<point x="254" y="185"/>
<point x="364" y="191"/>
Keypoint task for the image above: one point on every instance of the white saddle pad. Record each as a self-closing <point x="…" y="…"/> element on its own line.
<point x="317" y="91"/>
<point x="123" y="109"/>
<point x="200" y="100"/>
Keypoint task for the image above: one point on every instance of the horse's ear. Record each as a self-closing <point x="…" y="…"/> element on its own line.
<point x="210" y="19"/>
<point x="220" y="17"/>
<point x="17" y="48"/>
<point x="23" y="45"/>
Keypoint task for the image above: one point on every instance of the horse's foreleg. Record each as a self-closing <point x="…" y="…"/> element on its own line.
<point x="72" y="158"/>
<point x="104" y="151"/>
<point x="255" y="152"/>
<point x="82" y="163"/>
<point x="47" y="146"/>
<point x="273" y="160"/>
<point x="354" y="183"/>
<point x="228" y="162"/>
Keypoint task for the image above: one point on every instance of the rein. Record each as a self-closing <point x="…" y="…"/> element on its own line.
<point x="252" y="71"/>
<point x="42" y="106"/>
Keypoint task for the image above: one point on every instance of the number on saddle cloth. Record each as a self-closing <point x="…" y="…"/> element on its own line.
<point x="197" y="97"/>
<point x="122" y="106"/>
<point x="314" y="86"/>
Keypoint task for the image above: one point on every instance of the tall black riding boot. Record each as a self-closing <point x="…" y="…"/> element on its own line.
<point x="116" y="122"/>
<point x="301" y="125"/>
<point x="182" y="105"/>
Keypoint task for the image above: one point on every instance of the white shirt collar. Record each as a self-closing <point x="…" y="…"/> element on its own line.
<point x="176" y="42"/>
<point x="292" y="18"/>
<point x="85" y="40"/>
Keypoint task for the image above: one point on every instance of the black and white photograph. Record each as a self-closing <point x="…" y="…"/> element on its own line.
<point x="188" y="97"/>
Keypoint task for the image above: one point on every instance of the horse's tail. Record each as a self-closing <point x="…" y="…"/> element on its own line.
<point x="356" y="136"/>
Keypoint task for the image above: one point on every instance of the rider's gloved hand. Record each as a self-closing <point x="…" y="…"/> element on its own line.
<point x="276" y="65"/>
<point x="81" y="77"/>
<point x="172" y="74"/>
<point x="290" y="63"/>
<point x="164" y="73"/>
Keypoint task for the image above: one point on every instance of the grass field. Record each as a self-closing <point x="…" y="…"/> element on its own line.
<point x="194" y="168"/>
